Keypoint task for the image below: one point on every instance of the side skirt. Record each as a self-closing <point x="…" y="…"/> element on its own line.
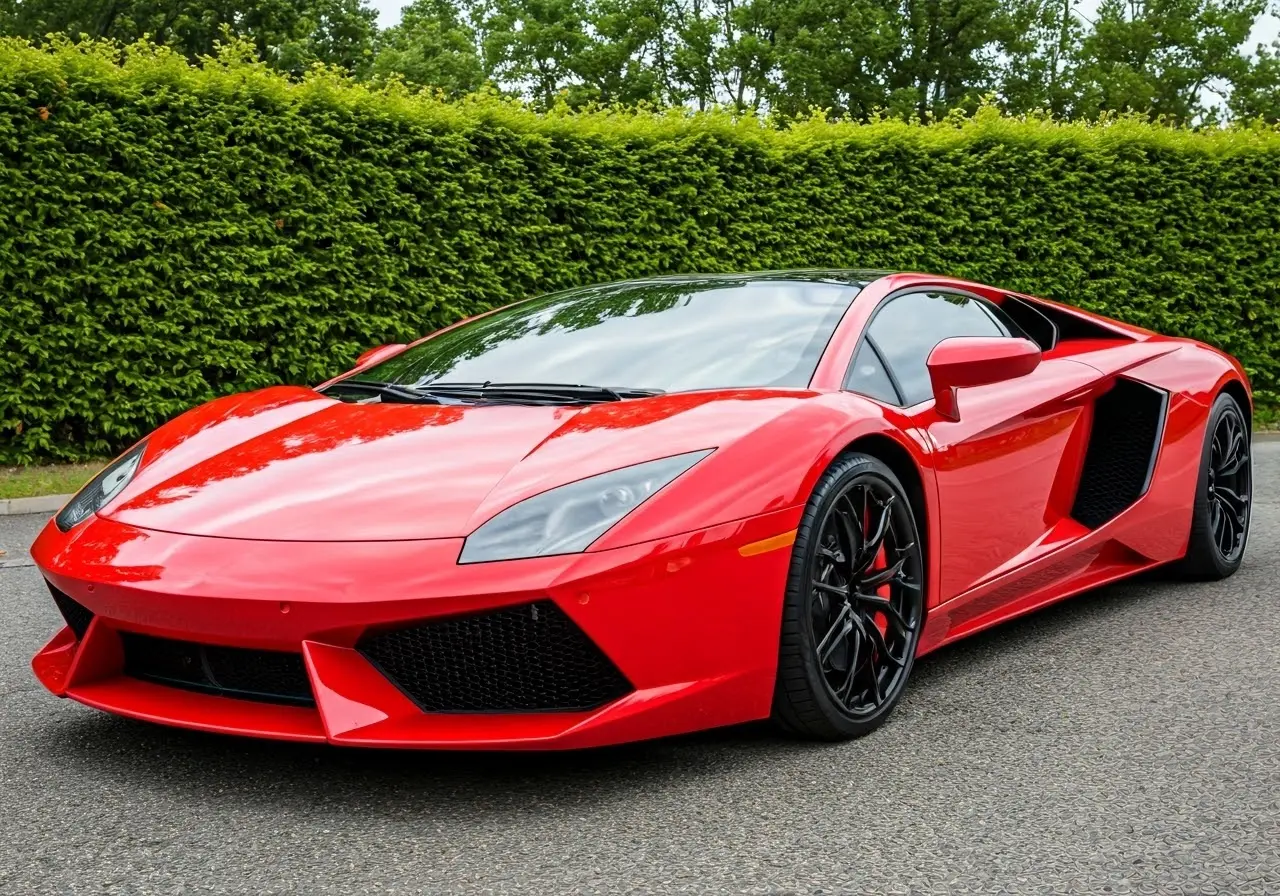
<point x="1098" y="573"/>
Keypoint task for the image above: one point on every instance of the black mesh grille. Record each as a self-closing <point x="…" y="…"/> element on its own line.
<point x="1127" y="422"/>
<point x="526" y="658"/>
<point x="271" y="676"/>
<point x="76" y="616"/>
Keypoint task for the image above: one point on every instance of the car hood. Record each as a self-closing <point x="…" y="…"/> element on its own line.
<point x="290" y="464"/>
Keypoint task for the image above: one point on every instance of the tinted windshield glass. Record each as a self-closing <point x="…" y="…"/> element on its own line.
<point x="673" y="336"/>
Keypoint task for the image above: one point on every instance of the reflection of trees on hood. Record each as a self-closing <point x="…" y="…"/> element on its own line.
<point x="317" y="433"/>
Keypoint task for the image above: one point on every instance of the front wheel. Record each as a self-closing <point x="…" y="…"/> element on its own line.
<point x="854" y="604"/>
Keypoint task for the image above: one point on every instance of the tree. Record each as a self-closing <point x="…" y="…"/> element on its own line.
<point x="1182" y="60"/>
<point x="725" y="51"/>
<point x="291" y="34"/>
<point x="530" y="45"/>
<point x="833" y="54"/>
<point x="336" y="32"/>
<point x="624" y="59"/>
<point x="1256" y="92"/>
<point x="435" y="46"/>
<point x="1041" y="57"/>
<point x="609" y="52"/>
<point x="693" y="75"/>
<point x="912" y="58"/>
<point x="947" y="56"/>
<point x="1161" y="57"/>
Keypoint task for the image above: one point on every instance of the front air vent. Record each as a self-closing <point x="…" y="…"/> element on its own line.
<point x="1128" y="422"/>
<point x="269" y="676"/>
<point x="74" y="614"/>
<point x="524" y="658"/>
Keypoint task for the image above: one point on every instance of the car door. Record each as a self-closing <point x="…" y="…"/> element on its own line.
<point x="999" y="467"/>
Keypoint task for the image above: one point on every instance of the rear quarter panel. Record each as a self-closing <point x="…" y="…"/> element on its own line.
<point x="1194" y="375"/>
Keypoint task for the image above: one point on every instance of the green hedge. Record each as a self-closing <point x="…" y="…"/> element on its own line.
<point x="170" y="233"/>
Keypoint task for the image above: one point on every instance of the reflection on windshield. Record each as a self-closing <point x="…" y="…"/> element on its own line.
<point x="670" y="335"/>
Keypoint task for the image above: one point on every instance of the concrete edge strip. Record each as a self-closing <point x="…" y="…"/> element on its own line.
<point x="39" y="504"/>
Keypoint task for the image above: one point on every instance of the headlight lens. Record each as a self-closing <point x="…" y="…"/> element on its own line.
<point x="567" y="519"/>
<point x="101" y="489"/>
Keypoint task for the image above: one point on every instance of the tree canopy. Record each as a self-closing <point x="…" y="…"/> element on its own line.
<point x="1184" y="61"/>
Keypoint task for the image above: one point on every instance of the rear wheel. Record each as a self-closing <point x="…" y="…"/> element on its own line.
<point x="854" y="604"/>
<point x="1220" y="519"/>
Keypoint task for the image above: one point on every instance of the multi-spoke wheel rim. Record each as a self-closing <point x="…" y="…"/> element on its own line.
<point x="865" y="596"/>
<point x="1229" y="485"/>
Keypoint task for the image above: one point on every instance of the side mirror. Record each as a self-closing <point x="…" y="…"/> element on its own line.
<point x="964" y="361"/>
<point x="380" y="353"/>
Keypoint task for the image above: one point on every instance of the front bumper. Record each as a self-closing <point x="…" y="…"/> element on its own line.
<point x="690" y="621"/>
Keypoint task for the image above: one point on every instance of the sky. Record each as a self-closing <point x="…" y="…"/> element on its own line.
<point x="1264" y="32"/>
<point x="388" y="11"/>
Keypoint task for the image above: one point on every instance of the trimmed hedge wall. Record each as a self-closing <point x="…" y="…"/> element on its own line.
<point x="170" y="233"/>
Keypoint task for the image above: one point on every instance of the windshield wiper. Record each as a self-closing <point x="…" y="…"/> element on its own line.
<point x="385" y="391"/>
<point x="534" y="393"/>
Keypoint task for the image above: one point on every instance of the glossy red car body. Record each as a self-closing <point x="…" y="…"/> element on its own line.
<point x="283" y="520"/>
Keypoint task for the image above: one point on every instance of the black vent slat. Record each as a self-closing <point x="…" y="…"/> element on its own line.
<point x="525" y="658"/>
<point x="270" y="676"/>
<point x="76" y="616"/>
<point x="1124" y="439"/>
<point x="268" y="672"/>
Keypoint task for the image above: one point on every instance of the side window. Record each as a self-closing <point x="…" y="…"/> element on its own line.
<point x="1033" y="322"/>
<point x="906" y="328"/>
<point x="868" y="377"/>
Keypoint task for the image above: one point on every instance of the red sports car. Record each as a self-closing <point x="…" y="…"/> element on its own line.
<point x="639" y="509"/>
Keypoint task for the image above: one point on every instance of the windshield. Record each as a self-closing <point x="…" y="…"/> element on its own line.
<point x="672" y="335"/>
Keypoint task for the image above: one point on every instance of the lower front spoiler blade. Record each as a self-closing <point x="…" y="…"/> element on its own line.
<point x="355" y="705"/>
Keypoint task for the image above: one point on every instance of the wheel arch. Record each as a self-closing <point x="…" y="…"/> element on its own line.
<point x="1237" y="390"/>
<point x="796" y="706"/>
<point x="898" y="458"/>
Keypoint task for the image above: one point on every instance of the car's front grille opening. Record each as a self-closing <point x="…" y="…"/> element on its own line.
<point x="271" y="676"/>
<point x="75" y="615"/>
<point x="525" y="658"/>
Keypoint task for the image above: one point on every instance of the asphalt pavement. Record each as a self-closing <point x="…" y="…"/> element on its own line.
<point x="1126" y="741"/>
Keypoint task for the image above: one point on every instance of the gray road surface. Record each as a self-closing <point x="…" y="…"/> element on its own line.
<point x="1127" y="741"/>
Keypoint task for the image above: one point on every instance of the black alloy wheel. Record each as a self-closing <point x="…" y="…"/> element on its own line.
<point x="855" y="604"/>
<point x="1228" y="489"/>
<point x="1224" y="492"/>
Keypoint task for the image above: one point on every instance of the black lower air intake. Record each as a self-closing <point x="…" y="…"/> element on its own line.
<point x="525" y="658"/>
<point x="75" y="615"/>
<point x="269" y="676"/>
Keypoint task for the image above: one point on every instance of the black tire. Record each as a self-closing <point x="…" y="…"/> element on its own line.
<point x="1224" y="492"/>
<point x="853" y="687"/>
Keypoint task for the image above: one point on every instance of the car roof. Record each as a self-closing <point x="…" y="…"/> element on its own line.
<point x="848" y="276"/>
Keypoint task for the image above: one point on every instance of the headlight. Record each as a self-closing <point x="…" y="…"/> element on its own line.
<point x="101" y="489"/>
<point x="567" y="519"/>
